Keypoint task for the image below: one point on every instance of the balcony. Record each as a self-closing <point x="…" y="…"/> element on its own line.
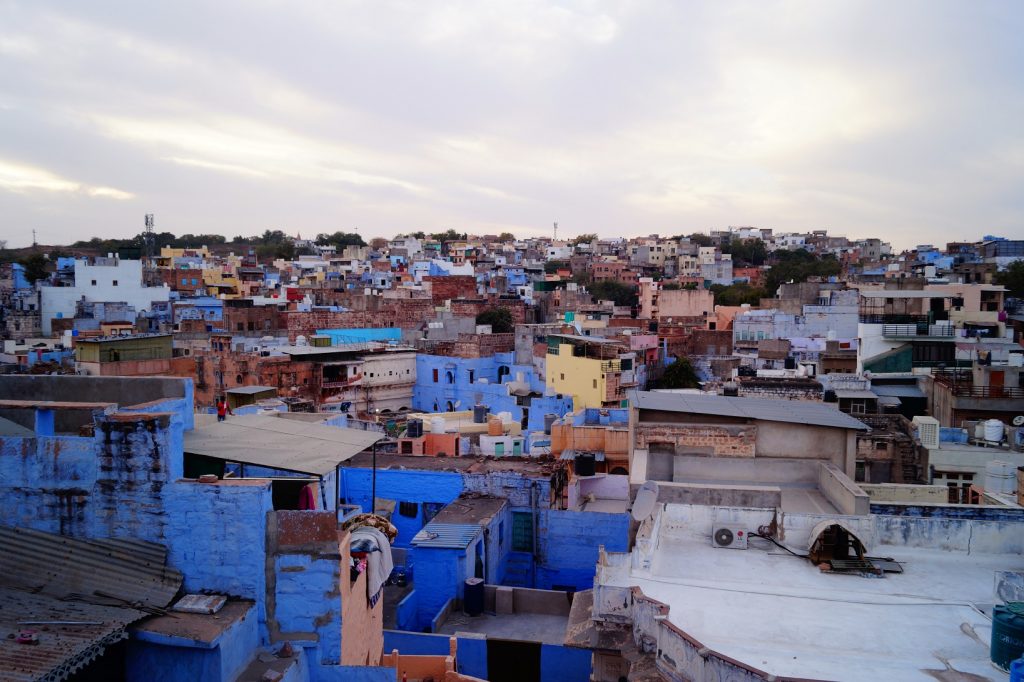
<point x="344" y="383"/>
<point x="963" y="387"/>
<point x="918" y="331"/>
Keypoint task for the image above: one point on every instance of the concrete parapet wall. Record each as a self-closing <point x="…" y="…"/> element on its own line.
<point x="843" y="493"/>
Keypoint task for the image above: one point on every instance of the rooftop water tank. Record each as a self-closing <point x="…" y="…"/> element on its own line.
<point x="494" y="427"/>
<point x="993" y="430"/>
<point x="1000" y="477"/>
<point x="549" y="419"/>
<point x="479" y="414"/>
<point x="437" y="425"/>
<point x="1007" y="634"/>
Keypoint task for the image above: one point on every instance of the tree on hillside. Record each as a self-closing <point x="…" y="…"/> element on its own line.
<point x="553" y="266"/>
<point x="500" y="320"/>
<point x="339" y="239"/>
<point x="1012" y="278"/>
<point x="584" y="239"/>
<point x="618" y="292"/>
<point x="746" y="251"/>
<point x="680" y="374"/>
<point x="35" y="265"/>
<point x="449" y="235"/>
<point x="737" y="294"/>
<point x="506" y="237"/>
<point x="700" y="239"/>
<point x="797" y="266"/>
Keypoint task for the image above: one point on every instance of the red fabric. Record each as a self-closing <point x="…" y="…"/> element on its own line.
<point x="306" y="499"/>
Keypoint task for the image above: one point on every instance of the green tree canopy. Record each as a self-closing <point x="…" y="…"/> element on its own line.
<point x="798" y="266"/>
<point x="746" y="252"/>
<point x="680" y="374"/>
<point x="500" y="320"/>
<point x="506" y="237"/>
<point x="611" y="290"/>
<point x="35" y="265"/>
<point x="737" y="294"/>
<point x="340" y="239"/>
<point x="449" y="235"/>
<point x="1012" y="278"/>
<point x="584" y="239"/>
<point x="553" y="266"/>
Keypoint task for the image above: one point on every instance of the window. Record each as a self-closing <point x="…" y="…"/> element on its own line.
<point x="595" y="383"/>
<point x="881" y="445"/>
<point x="562" y="376"/>
<point x="94" y="282"/>
<point x="522" y="532"/>
<point x="184" y="280"/>
<point x="435" y="379"/>
<point x="472" y="373"/>
<point x="115" y="282"/>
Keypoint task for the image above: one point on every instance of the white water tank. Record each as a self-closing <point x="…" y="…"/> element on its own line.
<point x="993" y="430"/>
<point x="1015" y="359"/>
<point x="437" y="425"/>
<point x="1000" y="477"/>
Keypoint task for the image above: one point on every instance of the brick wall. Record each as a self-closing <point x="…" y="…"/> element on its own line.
<point x="719" y="441"/>
<point x="447" y="287"/>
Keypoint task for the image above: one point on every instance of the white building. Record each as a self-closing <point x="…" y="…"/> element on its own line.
<point x="107" y="280"/>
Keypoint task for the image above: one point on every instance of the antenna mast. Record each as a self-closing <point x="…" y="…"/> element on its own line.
<point x="148" y="237"/>
<point x="556" y="232"/>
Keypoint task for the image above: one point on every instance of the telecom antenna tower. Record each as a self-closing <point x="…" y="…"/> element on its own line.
<point x="148" y="237"/>
<point x="556" y="232"/>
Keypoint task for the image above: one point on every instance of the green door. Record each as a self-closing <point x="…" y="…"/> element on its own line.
<point x="499" y="449"/>
<point x="517" y="448"/>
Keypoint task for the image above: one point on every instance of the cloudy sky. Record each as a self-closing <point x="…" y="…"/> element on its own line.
<point x="903" y="120"/>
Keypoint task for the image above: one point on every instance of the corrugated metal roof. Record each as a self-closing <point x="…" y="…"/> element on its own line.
<point x="789" y="411"/>
<point x="446" y="535"/>
<point x="250" y="390"/>
<point x="898" y="390"/>
<point x="62" y="649"/>
<point x="57" y="565"/>
<point x="855" y="393"/>
<point x="93" y="584"/>
<point x="305" y="448"/>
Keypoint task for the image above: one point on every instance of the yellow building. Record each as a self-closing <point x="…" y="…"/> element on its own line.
<point x="596" y="372"/>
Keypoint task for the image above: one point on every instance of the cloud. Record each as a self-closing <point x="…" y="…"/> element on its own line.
<point x="22" y="179"/>
<point x="868" y="117"/>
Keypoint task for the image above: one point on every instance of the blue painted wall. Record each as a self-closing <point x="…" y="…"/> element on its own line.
<point x="439" y="577"/>
<point x="439" y="487"/>
<point x="568" y="543"/>
<point x="361" y="335"/>
<point x="308" y="600"/>
<point x="470" y="657"/>
<point x="563" y="664"/>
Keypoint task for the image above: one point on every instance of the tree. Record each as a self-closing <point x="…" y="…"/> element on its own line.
<point x="737" y="294"/>
<point x="35" y="265"/>
<point x="618" y="292"/>
<point x="449" y="236"/>
<point x="584" y="239"/>
<point x="419" y="234"/>
<point x="500" y="320"/>
<point x="700" y="239"/>
<point x="506" y="237"/>
<point x="797" y="266"/>
<point x="746" y="251"/>
<point x="679" y="374"/>
<point x="339" y="239"/>
<point x="1012" y="278"/>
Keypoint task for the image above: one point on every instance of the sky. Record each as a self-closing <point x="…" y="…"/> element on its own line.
<point x="899" y="120"/>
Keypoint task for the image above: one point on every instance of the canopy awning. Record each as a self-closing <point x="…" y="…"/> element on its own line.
<point x="289" y="445"/>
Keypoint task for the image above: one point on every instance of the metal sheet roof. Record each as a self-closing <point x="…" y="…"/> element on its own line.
<point x="855" y="393"/>
<point x="588" y="339"/>
<point x="87" y="583"/>
<point x="286" y="444"/>
<point x="898" y="390"/>
<point x="789" y="411"/>
<point x="446" y="535"/>
<point x="251" y="390"/>
<point x="62" y="649"/>
<point x="58" y="565"/>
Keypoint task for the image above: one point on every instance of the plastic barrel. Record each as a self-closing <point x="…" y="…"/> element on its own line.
<point x="479" y="414"/>
<point x="1017" y="670"/>
<point x="1007" y="634"/>
<point x="474" y="596"/>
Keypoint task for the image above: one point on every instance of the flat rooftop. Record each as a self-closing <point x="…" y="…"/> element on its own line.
<point x="470" y="509"/>
<point x="523" y="627"/>
<point x="525" y="466"/>
<point x="769" y="609"/>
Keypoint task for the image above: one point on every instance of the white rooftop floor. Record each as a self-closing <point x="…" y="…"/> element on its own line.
<point x="781" y="614"/>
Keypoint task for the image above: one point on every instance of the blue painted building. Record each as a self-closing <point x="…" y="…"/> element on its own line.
<point x="449" y="384"/>
<point x="361" y="335"/>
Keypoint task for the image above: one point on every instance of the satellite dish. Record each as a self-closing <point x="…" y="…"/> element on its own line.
<point x="646" y="499"/>
<point x="1018" y="420"/>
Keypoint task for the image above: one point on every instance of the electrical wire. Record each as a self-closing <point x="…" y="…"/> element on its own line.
<point x="778" y="544"/>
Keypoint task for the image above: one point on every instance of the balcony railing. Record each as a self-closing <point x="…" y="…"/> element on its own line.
<point x="919" y="329"/>
<point x="895" y="319"/>
<point x="963" y="387"/>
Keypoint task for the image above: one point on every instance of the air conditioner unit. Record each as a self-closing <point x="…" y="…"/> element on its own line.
<point x="729" y="537"/>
